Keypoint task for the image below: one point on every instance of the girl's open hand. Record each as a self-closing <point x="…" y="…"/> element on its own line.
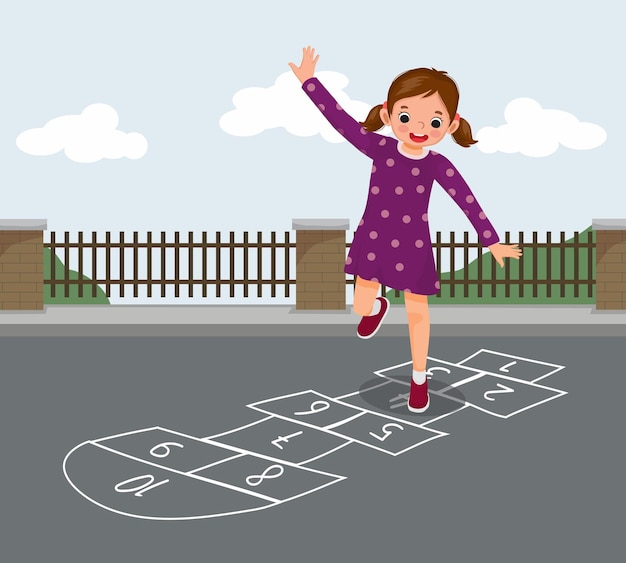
<point x="306" y="69"/>
<point x="502" y="251"/>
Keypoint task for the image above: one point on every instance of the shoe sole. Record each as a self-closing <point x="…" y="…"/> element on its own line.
<point x="377" y="328"/>
<point x="424" y="408"/>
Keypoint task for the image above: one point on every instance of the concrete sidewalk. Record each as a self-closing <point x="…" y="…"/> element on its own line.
<point x="285" y="320"/>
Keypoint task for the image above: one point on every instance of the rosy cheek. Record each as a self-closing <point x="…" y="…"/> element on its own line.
<point x="435" y="134"/>
<point x="403" y="128"/>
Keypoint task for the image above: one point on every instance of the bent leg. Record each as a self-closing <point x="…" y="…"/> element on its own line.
<point x="419" y="328"/>
<point x="365" y="293"/>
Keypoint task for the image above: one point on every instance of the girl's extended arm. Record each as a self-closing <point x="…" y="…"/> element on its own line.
<point x="456" y="187"/>
<point x="346" y="125"/>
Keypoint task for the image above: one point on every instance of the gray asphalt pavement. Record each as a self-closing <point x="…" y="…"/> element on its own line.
<point x="532" y="470"/>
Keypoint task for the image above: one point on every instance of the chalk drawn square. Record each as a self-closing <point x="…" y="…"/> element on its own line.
<point x="390" y="397"/>
<point x="504" y="396"/>
<point x="167" y="448"/>
<point x="441" y="371"/>
<point x="309" y="408"/>
<point x="386" y="434"/>
<point x="135" y="488"/>
<point x="510" y="366"/>
<point x="282" y="439"/>
<point x="276" y="481"/>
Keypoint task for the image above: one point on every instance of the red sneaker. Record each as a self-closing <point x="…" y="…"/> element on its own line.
<point x="418" y="398"/>
<point x="369" y="326"/>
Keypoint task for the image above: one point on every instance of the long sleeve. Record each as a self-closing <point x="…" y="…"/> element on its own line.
<point x="346" y="126"/>
<point x="456" y="187"/>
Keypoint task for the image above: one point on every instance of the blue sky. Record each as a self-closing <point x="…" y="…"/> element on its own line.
<point x="170" y="70"/>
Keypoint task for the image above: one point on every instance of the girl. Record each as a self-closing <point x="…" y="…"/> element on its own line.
<point x="391" y="245"/>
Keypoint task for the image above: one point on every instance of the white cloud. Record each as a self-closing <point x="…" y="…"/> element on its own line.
<point x="285" y="105"/>
<point x="88" y="137"/>
<point x="534" y="131"/>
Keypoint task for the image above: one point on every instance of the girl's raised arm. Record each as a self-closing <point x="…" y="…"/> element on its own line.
<point x="306" y="69"/>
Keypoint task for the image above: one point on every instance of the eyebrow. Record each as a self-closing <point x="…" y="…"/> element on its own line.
<point x="404" y="107"/>
<point x="439" y="113"/>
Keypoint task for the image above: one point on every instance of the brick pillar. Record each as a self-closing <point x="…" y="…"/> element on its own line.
<point x="320" y="258"/>
<point x="610" y="263"/>
<point x="21" y="264"/>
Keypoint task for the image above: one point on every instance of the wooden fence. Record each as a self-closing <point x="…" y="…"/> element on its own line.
<point x="197" y="264"/>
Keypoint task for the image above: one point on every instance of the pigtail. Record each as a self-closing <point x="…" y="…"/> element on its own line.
<point x="463" y="135"/>
<point x="373" y="122"/>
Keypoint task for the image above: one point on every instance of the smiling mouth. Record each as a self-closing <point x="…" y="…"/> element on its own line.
<point x="418" y="138"/>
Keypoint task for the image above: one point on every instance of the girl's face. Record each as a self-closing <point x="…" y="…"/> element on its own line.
<point x="419" y="121"/>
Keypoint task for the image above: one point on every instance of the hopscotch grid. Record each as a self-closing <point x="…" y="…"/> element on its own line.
<point x="187" y="474"/>
<point x="328" y="429"/>
<point x="143" y="517"/>
<point x="505" y="355"/>
<point x="389" y="417"/>
<point x="349" y="439"/>
<point x="300" y="463"/>
<point x="256" y="454"/>
<point x="339" y="402"/>
<point x="388" y="381"/>
<point x="381" y="372"/>
<point x="558" y="392"/>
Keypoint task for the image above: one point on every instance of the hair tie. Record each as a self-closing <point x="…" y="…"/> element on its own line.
<point x="384" y="105"/>
<point x="457" y="117"/>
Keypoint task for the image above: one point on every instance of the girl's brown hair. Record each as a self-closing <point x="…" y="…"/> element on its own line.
<point x="418" y="82"/>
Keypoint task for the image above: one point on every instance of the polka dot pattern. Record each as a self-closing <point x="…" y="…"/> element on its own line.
<point x="392" y="244"/>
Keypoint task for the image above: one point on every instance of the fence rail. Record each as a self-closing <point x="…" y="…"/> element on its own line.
<point x="157" y="263"/>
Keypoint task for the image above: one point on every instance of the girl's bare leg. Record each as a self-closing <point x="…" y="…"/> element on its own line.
<point x="365" y="293"/>
<point x="419" y="328"/>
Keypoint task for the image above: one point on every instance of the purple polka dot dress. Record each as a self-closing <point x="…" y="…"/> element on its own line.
<point x="392" y="243"/>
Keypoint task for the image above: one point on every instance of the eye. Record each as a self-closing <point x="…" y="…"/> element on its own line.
<point x="404" y="117"/>
<point x="436" y="122"/>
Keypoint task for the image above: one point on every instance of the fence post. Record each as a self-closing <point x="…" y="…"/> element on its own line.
<point x="320" y="258"/>
<point x="21" y="264"/>
<point x="610" y="263"/>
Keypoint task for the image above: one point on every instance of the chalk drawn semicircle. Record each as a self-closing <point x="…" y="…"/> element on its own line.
<point x="125" y="487"/>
